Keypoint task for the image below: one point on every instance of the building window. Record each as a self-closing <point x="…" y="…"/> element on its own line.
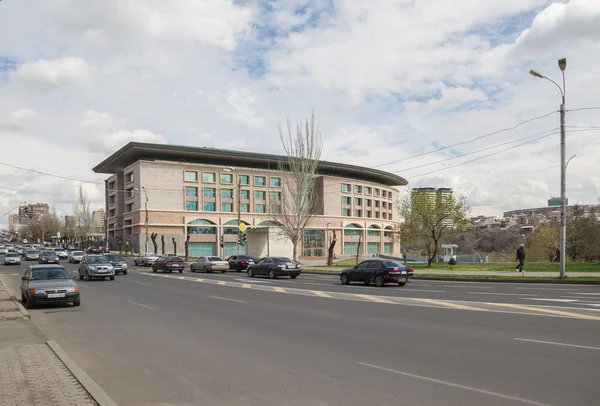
<point x="376" y="204"/>
<point x="276" y="182"/>
<point x="202" y="249"/>
<point x="384" y="205"/>
<point x="376" y="214"/>
<point x="346" y="212"/>
<point x="226" y="194"/>
<point x="245" y="194"/>
<point x="227" y="178"/>
<point x="259" y="181"/>
<point x="275" y="196"/>
<point x="369" y="215"/>
<point x="128" y="207"/>
<point x="259" y="208"/>
<point x="376" y="192"/>
<point x="368" y="190"/>
<point x="357" y="201"/>
<point x="209" y="192"/>
<point x="129" y="177"/>
<point x="275" y="209"/>
<point x="259" y="195"/>
<point x="226" y="207"/>
<point x="209" y="206"/>
<point x="383" y="193"/>
<point x="191" y="191"/>
<point x="111" y="186"/>
<point x="390" y="216"/>
<point x="387" y="234"/>
<point x="346" y="187"/>
<point x="384" y="215"/>
<point x="368" y="202"/>
<point x="111" y="213"/>
<point x="357" y="189"/>
<point x="191" y="176"/>
<point x="191" y="206"/>
<point x="201" y="230"/>
<point x="372" y="233"/>
<point x="244" y="208"/>
<point x="346" y="200"/>
<point x="357" y="213"/>
<point x="209" y="177"/>
<point x="129" y="193"/>
<point x="244" y="179"/>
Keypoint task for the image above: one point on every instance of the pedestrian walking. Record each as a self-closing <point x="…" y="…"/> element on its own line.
<point x="557" y="255"/>
<point x="521" y="258"/>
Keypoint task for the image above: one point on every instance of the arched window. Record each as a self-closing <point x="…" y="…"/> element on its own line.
<point x="352" y="230"/>
<point x="373" y="231"/>
<point x="268" y="223"/>
<point x="203" y="227"/>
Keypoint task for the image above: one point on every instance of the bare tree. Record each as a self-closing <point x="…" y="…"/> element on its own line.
<point x="330" y="250"/>
<point x="187" y="243"/>
<point x="83" y="216"/>
<point x="303" y="146"/>
<point x="162" y="241"/>
<point x="153" y="238"/>
<point x="174" y="246"/>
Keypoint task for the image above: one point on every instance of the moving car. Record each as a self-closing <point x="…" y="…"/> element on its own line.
<point x="48" y="257"/>
<point x="12" y="258"/>
<point x="32" y="255"/>
<point x="145" y="259"/>
<point x="240" y="262"/>
<point x="168" y="263"/>
<point x="75" y="257"/>
<point x="61" y="253"/>
<point x="96" y="267"/>
<point x="3" y="250"/>
<point x="274" y="267"/>
<point x="118" y="263"/>
<point x="209" y="264"/>
<point x="378" y="271"/>
<point x="43" y="284"/>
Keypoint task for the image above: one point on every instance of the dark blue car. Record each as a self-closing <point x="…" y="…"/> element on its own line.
<point x="378" y="271"/>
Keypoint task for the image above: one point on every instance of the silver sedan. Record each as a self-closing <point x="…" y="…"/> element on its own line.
<point x="146" y="259"/>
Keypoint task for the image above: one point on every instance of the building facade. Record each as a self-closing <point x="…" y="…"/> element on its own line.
<point x="33" y="211"/>
<point x="184" y="191"/>
<point x="14" y="223"/>
<point x="98" y="220"/>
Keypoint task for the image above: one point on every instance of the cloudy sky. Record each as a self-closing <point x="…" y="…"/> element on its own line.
<point x="393" y="83"/>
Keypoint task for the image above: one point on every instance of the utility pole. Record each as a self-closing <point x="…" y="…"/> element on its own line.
<point x="146" y="220"/>
<point x="239" y="212"/>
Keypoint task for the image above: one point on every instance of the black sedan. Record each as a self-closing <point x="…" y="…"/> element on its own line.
<point x="168" y="263"/>
<point x="48" y="257"/>
<point x="240" y="262"/>
<point x="274" y="267"/>
<point x="379" y="272"/>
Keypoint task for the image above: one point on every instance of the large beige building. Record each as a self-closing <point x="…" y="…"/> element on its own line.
<point x="193" y="191"/>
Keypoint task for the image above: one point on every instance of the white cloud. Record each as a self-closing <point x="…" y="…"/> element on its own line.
<point x="52" y="74"/>
<point x="108" y="143"/>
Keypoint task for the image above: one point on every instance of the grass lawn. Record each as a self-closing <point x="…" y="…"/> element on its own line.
<point x="514" y="278"/>
<point x="493" y="266"/>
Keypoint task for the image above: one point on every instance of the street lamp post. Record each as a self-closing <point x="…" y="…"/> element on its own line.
<point x="562" y="64"/>
<point x="239" y="205"/>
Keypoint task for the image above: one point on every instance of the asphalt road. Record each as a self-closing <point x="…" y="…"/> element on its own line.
<point x="151" y="340"/>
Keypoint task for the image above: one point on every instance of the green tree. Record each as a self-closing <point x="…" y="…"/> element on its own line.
<point x="429" y="217"/>
<point x="544" y="242"/>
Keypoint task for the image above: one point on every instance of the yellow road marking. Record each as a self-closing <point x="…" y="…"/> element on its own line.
<point x="280" y="290"/>
<point x="319" y="293"/>
<point x="451" y="305"/>
<point x="199" y="280"/>
<point x="245" y="285"/>
<point x="374" y="299"/>
<point x="222" y="283"/>
<point x="181" y="277"/>
<point x="549" y="311"/>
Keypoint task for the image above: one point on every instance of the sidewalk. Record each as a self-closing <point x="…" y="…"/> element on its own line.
<point x="31" y="373"/>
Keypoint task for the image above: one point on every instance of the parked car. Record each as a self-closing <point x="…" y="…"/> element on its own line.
<point x="379" y="272"/>
<point x="118" y="263"/>
<point x="168" y="263"/>
<point x="12" y="258"/>
<point x="48" y="257"/>
<point x="43" y="284"/>
<point x="146" y="259"/>
<point x="61" y="253"/>
<point x="209" y="264"/>
<point x="96" y="266"/>
<point x="75" y="257"/>
<point x="3" y="250"/>
<point x="274" y="267"/>
<point x="240" y="262"/>
<point x="32" y="255"/>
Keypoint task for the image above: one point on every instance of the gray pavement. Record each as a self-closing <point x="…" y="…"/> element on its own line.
<point x="151" y="340"/>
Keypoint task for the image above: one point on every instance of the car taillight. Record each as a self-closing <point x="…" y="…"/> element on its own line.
<point x="411" y="270"/>
<point x="394" y="270"/>
<point x="244" y="262"/>
<point x="181" y="264"/>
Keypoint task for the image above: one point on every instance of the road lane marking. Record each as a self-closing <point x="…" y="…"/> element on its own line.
<point x="585" y="294"/>
<point x="319" y="293"/>
<point x="226" y="298"/>
<point x="244" y="280"/>
<point x="551" y="300"/>
<point x="139" y="304"/>
<point x="315" y="283"/>
<point x="561" y="290"/>
<point x="456" y="385"/>
<point x="222" y="283"/>
<point x="501" y="294"/>
<point x="422" y="290"/>
<point x="246" y="285"/>
<point x="181" y="277"/>
<point x="141" y="283"/>
<point x="549" y="311"/>
<point x="280" y="290"/>
<point x="373" y="298"/>
<point x="14" y="274"/>
<point x="554" y="343"/>
<point x="467" y="286"/>
<point x="451" y="305"/>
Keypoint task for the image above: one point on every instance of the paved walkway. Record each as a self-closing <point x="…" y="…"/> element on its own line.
<point x="30" y="372"/>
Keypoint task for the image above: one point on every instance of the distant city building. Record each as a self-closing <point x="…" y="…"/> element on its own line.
<point x="433" y="194"/>
<point x="70" y="221"/>
<point x="487" y="222"/>
<point x="32" y="211"/>
<point x="98" y="220"/>
<point x="14" y="223"/>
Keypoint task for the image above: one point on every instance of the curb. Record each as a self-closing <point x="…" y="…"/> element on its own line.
<point x="84" y="379"/>
<point x="541" y="280"/>
<point x="22" y="309"/>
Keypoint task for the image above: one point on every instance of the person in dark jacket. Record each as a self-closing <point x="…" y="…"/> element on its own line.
<point x="521" y="258"/>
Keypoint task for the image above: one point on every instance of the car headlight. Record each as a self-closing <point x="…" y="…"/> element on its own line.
<point x="92" y="268"/>
<point x="71" y="290"/>
<point x="110" y="268"/>
<point x="124" y="266"/>
<point x="38" y="292"/>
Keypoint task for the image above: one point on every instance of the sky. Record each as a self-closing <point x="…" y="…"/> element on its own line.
<point x="405" y="86"/>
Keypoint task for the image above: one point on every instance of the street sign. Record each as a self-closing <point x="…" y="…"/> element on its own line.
<point x="242" y="227"/>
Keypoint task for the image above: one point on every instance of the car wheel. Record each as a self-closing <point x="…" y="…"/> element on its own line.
<point x="272" y="274"/>
<point x="379" y="282"/>
<point x="77" y="302"/>
<point x="181" y="271"/>
<point x="87" y="276"/>
<point x="401" y="283"/>
<point x="204" y="270"/>
<point x="124" y="272"/>
<point x="192" y="268"/>
<point x="250" y="272"/>
<point x="112" y="278"/>
<point x="293" y="276"/>
<point x="344" y="279"/>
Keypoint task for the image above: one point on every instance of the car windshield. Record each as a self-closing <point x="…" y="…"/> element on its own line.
<point x="77" y="253"/>
<point x="174" y="259"/>
<point x="49" y="273"/>
<point x="32" y="252"/>
<point x="282" y="259"/>
<point x="245" y="257"/>
<point x="214" y="259"/>
<point x="151" y="254"/>
<point x="11" y="254"/>
<point x="47" y="253"/>
<point x="59" y="249"/>
<point x="97" y="260"/>
<point x="114" y="258"/>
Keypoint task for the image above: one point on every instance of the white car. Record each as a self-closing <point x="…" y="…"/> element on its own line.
<point x="75" y="257"/>
<point x="61" y="253"/>
<point x="3" y="250"/>
<point x="146" y="259"/>
<point x="12" y="258"/>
